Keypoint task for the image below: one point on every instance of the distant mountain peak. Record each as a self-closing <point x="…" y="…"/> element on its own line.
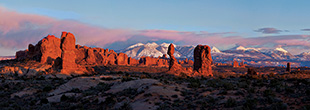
<point x="135" y="45"/>
<point x="151" y="44"/>
<point x="215" y="50"/>
<point x="165" y="44"/>
<point x="239" y="47"/>
<point x="281" y="49"/>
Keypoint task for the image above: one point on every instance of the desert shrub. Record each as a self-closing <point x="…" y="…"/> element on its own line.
<point x="268" y="92"/>
<point x="126" y="78"/>
<point x="63" y="98"/>
<point x="110" y="100"/>
<point x="147" y="95"/>
<point x="223" y="92"/>
<point x="125" y="106"/>
<point x="76" y="90"/>
<point x="289" y="90"/>
<point x="305" y="107"/>
<point x="271" y="75"/>
<point x="278" y="106"/>
<point x="47" y="88"/>
<point x="307" y="92"/>
<point x="174" y="96"/>
<point x="212" y="83"/>
<point x="230" y="103"/>
<point x="249" y="104"/>
<point x="107" y="78"/>
<point x="44" y="101"/>
<point x="274" y="83"/>
<point x="228" y="86"/>
<point x="243" y="84"/>
<point x="129" y="92"/>
<point x="194" y="83"/>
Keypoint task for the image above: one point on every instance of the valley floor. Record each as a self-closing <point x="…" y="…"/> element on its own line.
<point x="109" y="88"/>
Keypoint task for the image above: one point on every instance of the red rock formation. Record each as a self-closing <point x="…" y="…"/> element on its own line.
<point x="164" y="56"/>
<point x="288" y="67"/>
<point x="151" y="61"/>
<point x="203" y="60"/>
<point x="132" y="61"/>
<point x="122" y="59"/>
<point x="91" y="58"/>
<point x="50" y="49"/>
<point x="111" y="57"/>
<point x="68" y="53"/>
<point x="242" y="64"/>
<point x="147" y="61"/>
<point x="190" y="62"/>
<point x="173" y="65"/>
<point x="235" y="64"/>
<point x="46" y="51"/>
<point x="21" y="55"/>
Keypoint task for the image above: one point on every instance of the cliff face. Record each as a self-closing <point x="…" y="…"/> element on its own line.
<point x="66" y="57"/>
<point x="203" y="60"/>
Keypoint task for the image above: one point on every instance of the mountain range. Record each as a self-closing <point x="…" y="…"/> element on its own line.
<point x="260" y="56"/>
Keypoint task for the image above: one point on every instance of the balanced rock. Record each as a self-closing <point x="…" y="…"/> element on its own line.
<point x="203" y="60"/>
<point x="173" y="65"/>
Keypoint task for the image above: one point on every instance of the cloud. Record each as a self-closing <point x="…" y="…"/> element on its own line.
<point x="269" y="30"/>
<point x="17" y="30"/>
<point x="305" y="29"/>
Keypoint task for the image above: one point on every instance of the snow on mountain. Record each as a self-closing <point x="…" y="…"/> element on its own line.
<point x="280" y="49"/>
<point x="248" y="53"/>
<point x="245" y="48"/>
<point x="304" y="56"/>
<point x="135" y="45"/>
<point x="165" y="45"/>
<point x="215" y="50"/>
<point x="152" y="49"/>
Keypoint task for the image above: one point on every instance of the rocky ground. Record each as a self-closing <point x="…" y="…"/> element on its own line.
<point x="141" y="88"/>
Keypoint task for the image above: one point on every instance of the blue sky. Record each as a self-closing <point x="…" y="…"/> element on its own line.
<point x="181" y="15"/>
<point x="240" y="17"/>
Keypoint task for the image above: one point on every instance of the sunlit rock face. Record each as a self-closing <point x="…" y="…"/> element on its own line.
<point x="203" y="60"/>
<point x="173" y="65"/>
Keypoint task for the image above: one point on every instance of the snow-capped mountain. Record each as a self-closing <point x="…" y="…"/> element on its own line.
<point x="152" y="49"/>
<point x="304" y="56"/>
<point x="268" y="54"/>
<point x="275" y="55"/>
<point x="215" y="50"/>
